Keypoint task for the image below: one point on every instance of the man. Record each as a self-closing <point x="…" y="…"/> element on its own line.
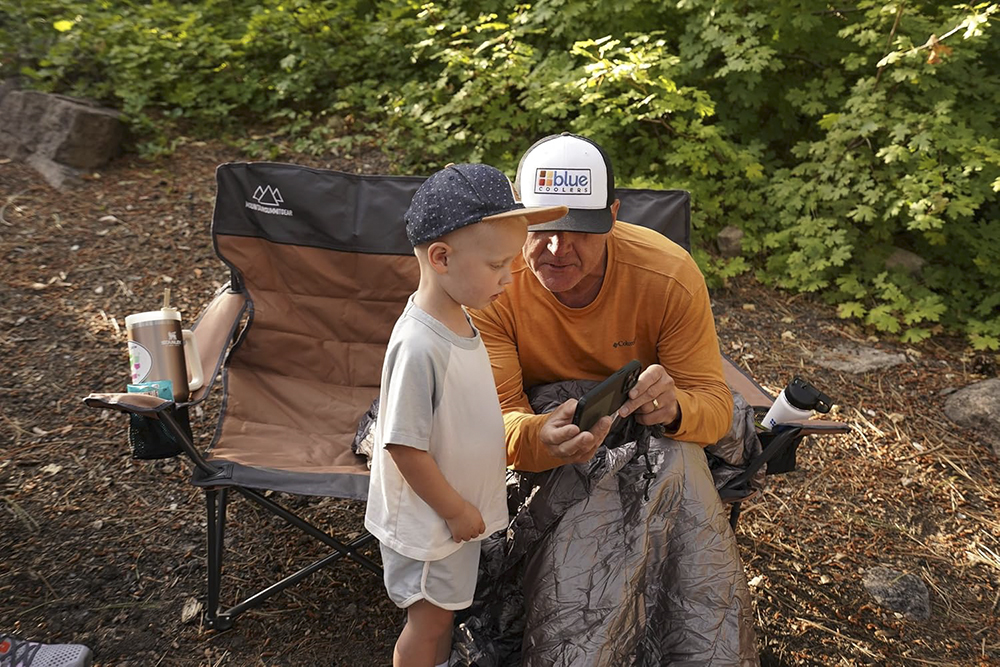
<point x="589" y="294"/>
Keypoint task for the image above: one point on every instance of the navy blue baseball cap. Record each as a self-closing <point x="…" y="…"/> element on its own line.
<point x="463" y="194"/>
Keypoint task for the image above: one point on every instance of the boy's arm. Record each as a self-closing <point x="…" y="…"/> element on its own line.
<point x="421" y="472"/>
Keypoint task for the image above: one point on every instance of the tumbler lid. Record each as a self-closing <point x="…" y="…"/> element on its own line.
<point x="804" y="396"/>
<point x="153" y="316"/>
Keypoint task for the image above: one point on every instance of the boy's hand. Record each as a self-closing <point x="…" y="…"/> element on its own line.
<point x="467" y="524"/>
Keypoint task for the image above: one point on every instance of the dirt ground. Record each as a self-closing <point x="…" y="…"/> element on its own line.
<point x="101" y="549"/>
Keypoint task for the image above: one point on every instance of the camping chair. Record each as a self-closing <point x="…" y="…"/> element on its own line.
<point x="320" y="270"/>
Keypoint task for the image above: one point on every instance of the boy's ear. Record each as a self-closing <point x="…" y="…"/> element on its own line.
<point x="437" y="256"/>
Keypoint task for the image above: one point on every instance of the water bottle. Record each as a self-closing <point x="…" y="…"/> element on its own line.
<point x="796" y="403"/>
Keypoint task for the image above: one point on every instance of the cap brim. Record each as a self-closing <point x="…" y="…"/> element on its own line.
<point x="535" y="215"/>
<point x="586" y="221"/>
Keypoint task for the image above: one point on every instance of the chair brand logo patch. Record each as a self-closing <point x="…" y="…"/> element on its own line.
<point x="269" y="200"/>
<point x="562" y="181"/>
<point x="268" y="196"/>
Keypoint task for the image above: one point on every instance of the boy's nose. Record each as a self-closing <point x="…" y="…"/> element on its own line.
<point x="507" y="277"/>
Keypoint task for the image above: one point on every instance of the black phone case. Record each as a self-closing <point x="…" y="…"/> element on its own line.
<point x="607" y="397"/>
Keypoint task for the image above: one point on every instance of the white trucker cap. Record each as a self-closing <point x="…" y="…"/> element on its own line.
<point x="568" y="170"/>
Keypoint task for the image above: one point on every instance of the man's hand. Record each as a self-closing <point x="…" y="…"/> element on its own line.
<point x="562" y="438"/>
<point x="467" y="524"/>
<point x="654" y="397"/>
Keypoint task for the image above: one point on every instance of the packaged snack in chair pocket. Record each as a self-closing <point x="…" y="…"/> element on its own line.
<point x="158" y="388"/>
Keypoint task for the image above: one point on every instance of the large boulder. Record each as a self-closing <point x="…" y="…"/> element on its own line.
<point x="58" y="135"/>
<point x="857" y="359"/>
<point x="7" y="86"/>
<point x="908" y="261"/>
<point x="977" y="407"/>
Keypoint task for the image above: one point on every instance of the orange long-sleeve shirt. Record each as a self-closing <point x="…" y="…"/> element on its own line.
<point x="653" y="306"/>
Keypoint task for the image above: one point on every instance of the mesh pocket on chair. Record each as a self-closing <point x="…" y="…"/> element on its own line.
<point x="783" y="461"/>
<point x="150" y="438"/>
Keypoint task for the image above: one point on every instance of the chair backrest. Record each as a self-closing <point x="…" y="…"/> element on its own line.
<point x="323" y="258"/>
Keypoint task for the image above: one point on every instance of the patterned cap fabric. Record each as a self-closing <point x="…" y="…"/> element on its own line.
<point x="464" y="194"/>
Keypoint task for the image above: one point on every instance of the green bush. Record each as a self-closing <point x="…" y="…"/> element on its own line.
<point x="832" y="135"/>
<point x="215" y="63"/>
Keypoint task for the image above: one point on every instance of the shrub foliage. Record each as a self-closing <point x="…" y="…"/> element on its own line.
<point x="835" y="135"/>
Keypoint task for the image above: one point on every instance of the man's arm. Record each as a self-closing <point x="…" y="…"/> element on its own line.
<point x="689" y="350"/>
<point x="522" y="426"/>
<point x="534" y="442"/>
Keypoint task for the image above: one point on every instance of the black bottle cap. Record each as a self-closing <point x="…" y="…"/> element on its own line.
<point x="804" y="396"/>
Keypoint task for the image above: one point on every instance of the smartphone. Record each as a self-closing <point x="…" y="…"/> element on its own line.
<point x="607" y="397"/>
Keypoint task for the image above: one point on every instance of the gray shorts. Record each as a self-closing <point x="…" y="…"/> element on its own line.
<point x="449" y="583"/>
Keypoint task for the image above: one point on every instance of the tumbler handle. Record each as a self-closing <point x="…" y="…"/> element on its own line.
<point x="193" y="359"/>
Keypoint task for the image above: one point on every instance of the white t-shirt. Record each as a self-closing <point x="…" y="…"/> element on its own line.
<point x="437" y="395"/>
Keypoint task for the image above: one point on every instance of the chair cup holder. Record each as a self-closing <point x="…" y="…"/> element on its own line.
<point x="784" y="459"/>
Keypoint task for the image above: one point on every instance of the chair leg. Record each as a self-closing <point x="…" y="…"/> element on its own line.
<point x="734" y="514"/>
<point x="215" y="500"/>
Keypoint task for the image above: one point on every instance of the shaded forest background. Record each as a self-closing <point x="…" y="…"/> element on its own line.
<point x="834" y="135"/>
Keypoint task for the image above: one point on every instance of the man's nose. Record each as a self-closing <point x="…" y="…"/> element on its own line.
<point x="557" y="244"/>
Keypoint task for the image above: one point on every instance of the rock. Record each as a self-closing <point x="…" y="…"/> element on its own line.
<point x="57" y="175"/>
<point x="910" y="262"/>
<point x="857" y="359"/>
<point x="730" y="241"/>
<point x="192" y="607"/>
<point x="977" y="407"/>
<point x="7" y="86"/>
<point x="896" y="591"/>
<point x="56" y="134"/>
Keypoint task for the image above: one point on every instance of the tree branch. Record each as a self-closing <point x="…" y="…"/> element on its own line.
<point x="888" y="43"/>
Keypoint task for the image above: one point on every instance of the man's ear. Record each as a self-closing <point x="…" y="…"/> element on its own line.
<point x="614" y="211"/>
<point x="437" y="256"/>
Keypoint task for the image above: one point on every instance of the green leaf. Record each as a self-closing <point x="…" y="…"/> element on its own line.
<point x="850" y="309"/>
<point x="915" y="335"/>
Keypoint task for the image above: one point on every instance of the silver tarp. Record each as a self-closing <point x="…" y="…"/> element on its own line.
<point x="628" y="559"/>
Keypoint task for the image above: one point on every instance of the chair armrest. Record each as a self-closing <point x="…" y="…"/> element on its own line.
<point x="140" y="404"/>
<point x="820" y="427"/>
<point x="157" y="408"/>
<point x="214" y="330"/>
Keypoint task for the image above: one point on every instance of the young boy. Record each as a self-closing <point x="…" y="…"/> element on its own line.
<point x="437" y="478"/>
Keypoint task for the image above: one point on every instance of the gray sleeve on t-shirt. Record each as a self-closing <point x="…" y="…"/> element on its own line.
<point x="414" y="367"/>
